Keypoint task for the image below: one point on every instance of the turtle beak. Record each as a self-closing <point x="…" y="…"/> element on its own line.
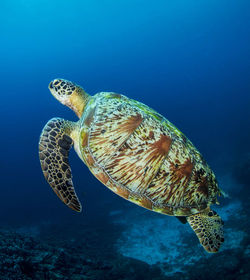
<point x="51" y="85"/>
<point x="54" y="87"/>
<point x="54" y="90"/>
<point x="55" y="83"/>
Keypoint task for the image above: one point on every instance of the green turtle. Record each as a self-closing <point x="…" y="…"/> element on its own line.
<point x="136" y="153"/>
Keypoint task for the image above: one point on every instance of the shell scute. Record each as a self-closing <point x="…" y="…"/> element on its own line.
<point x="202" y="188"/>
<point x="168" y="186"/>
<point x="136" y="163"/>
<point x="114" y="122"/>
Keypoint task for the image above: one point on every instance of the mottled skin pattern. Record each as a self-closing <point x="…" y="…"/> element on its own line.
<point x="209" y="228"/>
<point x="54" y="149"/>
<point x="136" y="153"/>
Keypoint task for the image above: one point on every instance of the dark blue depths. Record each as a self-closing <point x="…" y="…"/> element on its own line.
<point x="190" y="61"/>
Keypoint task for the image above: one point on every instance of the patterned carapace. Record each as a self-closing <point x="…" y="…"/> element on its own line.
<point x="141" y="156"/>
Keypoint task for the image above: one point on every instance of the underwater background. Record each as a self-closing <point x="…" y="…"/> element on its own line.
<point x="190" y="61"/>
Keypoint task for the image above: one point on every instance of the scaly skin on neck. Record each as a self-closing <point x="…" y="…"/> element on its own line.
<point x="78" y="100"/>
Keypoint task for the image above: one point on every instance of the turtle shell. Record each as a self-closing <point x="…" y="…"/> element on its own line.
<point x="142" y="157"/>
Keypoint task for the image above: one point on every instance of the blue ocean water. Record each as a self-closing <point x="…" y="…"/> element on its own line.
<point x="190" y="61"/>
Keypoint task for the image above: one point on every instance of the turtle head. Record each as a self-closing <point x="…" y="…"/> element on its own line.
<point x="69" y="94"/>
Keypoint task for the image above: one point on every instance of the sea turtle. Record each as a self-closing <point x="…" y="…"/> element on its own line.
<point x="136" y="153"/>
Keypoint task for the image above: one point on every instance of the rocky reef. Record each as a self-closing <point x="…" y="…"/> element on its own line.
<point x="141" y="252"/>
<point x="130" y="244"/>
<point x="24" y="257"/>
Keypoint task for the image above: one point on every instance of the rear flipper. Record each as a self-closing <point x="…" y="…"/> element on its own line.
<point x="208" y="227"/>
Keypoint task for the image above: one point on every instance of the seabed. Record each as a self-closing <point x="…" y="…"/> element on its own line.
<point x="132" y="244"/>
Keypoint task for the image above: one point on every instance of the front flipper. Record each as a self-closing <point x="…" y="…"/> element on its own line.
<point x="54" y="146"/>
<point x="208" y="227"/>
